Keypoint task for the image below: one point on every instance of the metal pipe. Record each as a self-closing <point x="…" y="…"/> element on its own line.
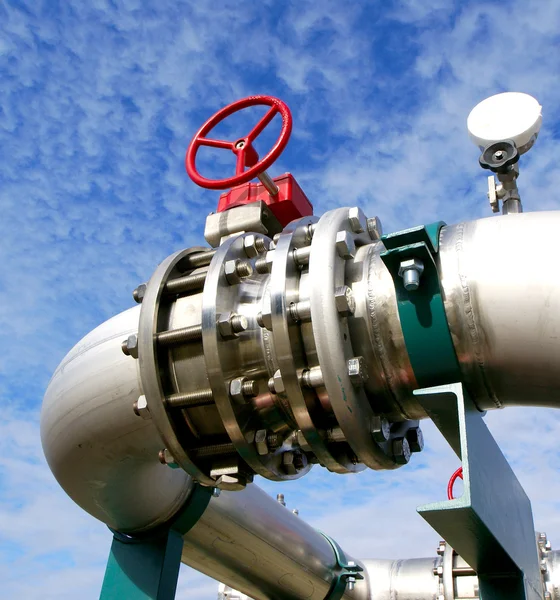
<point x="254" y="544"/>
<point x="103" y="455"/>
<point x="106" y="459"/>
<point x="502" y="299"/>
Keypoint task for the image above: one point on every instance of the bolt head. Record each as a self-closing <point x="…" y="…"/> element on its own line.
<point x="357" y="220"/>
<point x="260" y="442"/>
<point x="139" y="293"/>
<point x="415" y="439"/>
<point x="264" y="318"/>
<point x="130" y="346"/>
<point x="141" y="408"/>
<point x="250" y="245"/>
<point x="230" y="271"/>
<point x="292" y="462"/>
<point x="166" y="458"/>
<point x="357" y="370"/>
<point x="411" y="263"/>
<point x="232" y="483"/>
<point x="344" y="299"/>
<point x="380" y="429"/>
<point x="278" y="383"/>
<point x="345" y="245"/>
<point x="374" y="228"/>
<point x="401" y="451"/>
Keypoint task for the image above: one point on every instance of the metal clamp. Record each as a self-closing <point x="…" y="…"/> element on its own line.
<point x="421" y="310"/>
<point x="346" y="572"/>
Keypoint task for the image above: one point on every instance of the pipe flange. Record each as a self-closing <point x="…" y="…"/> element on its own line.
<point x="153" y="362"/>
<point x="334" y="243"/>
<point x="284" y="291"/>
<point x="227" y="359"/>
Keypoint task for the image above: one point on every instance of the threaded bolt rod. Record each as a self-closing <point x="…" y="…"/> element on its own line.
<point x="188" y="283"/>
<point x="200" y="259"/>
<point x="190" y="399"/>
<point x="178" y="336"/>
<point x="213" y="450"/>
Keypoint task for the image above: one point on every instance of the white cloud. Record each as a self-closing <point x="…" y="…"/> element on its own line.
<point x="96" y="109"/>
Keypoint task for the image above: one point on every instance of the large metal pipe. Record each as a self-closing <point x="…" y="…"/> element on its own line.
<point x="501" y="293"/>
<point x="106" y="459"/>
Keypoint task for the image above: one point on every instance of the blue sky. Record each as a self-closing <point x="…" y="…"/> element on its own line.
<point x="98" y="102"/>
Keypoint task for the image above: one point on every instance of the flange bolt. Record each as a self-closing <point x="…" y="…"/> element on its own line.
<point x="411" y="270"/>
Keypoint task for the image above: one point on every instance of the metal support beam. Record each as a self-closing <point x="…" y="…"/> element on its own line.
<point x="491" y="524"/>
<point x="146" y="567"/>
<point x="143" y="569"/>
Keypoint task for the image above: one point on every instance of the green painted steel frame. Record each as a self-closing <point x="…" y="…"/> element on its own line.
<point x="491" y="524"/>
<point x="146" y="567"/>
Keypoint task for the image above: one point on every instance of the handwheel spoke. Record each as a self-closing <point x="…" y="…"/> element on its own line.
<point x="215" y="143"/>
<point x="240" y="166"/>
<point x="258" y="128"/>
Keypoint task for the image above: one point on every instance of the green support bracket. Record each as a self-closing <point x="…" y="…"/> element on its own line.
<point x="146" y="567"/>
<point x="491" y="524"/>
<point x="345" y="572"/>
<point x="422" y="312"/>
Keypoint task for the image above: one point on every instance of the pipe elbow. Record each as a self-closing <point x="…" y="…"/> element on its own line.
<point x="102" y="454"/>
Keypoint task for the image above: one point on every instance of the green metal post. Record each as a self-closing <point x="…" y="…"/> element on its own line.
<point x="146" y="567"/>
<point x="143" y="569"/>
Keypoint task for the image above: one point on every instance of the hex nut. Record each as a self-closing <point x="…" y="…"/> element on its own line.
<point x="345" y="245"/>
<point x="411" y="263"/>
<point x="250" y="245"/>
<point x="235" y="270"/>
<point x="230" y="271"/>
<point x="236" y="390"/>
<point x="345" y="302"/>
<point x="141" y="408"/>
<point x="357" y="370"/>
<point x="230" y="325"/>
<point x="130" y="346"/>
<point x="380" y="429"/>
<point x="289" y="464"/>
<point x="401" y="451"/>
<point x="357" y="220"/>
<point x="260" y="442"/>
<point x="139" y="293"/>
<point x="415" y="439"/>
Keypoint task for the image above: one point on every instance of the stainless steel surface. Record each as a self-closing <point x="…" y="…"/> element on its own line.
<point x="268" y="183"/>
<point x="102" y="454"/>
<point x="255" y="217"/>
<point x="258" y="546"/>
<point x="502" y="300"/>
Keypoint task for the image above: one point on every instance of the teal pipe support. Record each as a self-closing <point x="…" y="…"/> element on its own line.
<point x="146" y="567"/>
<point x="344" y="572"/>
<point x="422" y="312"/>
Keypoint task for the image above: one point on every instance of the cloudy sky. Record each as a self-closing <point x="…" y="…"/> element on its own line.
<point x="98" y="101"/>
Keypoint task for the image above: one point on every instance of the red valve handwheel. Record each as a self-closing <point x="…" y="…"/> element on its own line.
<point x="243" y="148"/>
<point x="457" y="475"/>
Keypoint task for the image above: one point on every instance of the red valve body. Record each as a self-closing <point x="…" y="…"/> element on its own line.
<point x="290" y="203"/>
